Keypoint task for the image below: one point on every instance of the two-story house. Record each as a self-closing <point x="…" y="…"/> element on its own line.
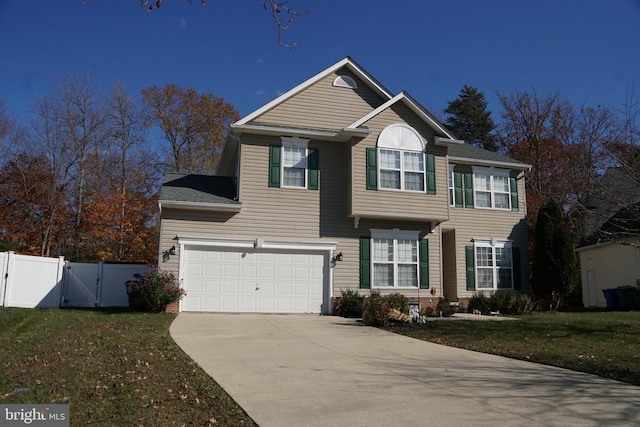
<point x="339" y="184"/>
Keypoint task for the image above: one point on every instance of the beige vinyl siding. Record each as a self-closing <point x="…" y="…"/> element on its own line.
<point x="470" y="224"/>
<point x="323" y="106"/>
<point x="389" y="202"/>
<point x="613" y="265"/>
<point x="294" y="215"/>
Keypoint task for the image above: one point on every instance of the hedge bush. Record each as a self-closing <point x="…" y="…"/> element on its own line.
<point x="399" y="302"/>
<point x="350" y="303"/>
<point x="376" y="310"/>
<point x="155" y="291"/>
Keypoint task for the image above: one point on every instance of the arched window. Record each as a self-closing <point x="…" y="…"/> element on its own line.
<point x="401" y="157"/>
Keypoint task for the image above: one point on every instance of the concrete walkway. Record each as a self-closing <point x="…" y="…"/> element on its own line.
<point x="296" y="370"/>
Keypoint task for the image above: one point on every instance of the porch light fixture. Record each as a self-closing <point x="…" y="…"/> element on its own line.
<point x="337" y="257"/>
<point x="166" y="255"/>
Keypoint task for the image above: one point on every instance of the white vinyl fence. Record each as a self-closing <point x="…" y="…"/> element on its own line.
<point x="39" y="282"/>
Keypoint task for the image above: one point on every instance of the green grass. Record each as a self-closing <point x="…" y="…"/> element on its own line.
<point x="601" y="343"/>
<point x="114" y="368"/>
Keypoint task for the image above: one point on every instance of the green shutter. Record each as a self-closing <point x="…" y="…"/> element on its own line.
<point x="365" y="263"/>
<point x="372" y="169"/>
<point x="513" y="184"/>
<point x="274" y="165"/>
<point x="468" y="190"/>
<point x="431" y="174"/>
<point x="457" y="189"/>
<point x="423" y="252"/>
<point x="470" y="262"/>
<point x="313" y="164"/>
<point x="517" y="278"/>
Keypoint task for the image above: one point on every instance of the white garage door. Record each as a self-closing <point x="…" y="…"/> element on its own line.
<point x="253" y="281"/>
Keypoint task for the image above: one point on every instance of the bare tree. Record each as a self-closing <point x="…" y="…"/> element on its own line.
<point x="281" y="13"/>
<point x="81" y="114"/>
<point x="195" y="126"/>
<point x="126" y="130"/>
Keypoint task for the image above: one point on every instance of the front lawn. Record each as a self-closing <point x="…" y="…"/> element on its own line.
<point x="114" y="368"/>
<point x="601" y="343"/>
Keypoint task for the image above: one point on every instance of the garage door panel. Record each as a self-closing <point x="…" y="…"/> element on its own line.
<point x="253" y="281"/>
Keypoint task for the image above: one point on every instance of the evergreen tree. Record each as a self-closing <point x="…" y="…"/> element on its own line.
<point x="554" y="272"/>
<point x="469" y="119"/>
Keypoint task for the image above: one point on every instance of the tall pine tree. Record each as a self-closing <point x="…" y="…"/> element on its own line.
<point x="469" y="119"/>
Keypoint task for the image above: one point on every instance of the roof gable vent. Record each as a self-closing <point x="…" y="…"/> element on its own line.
<point x="345" y="81"/>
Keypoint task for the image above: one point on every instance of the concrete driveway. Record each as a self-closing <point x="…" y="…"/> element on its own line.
<point x="297" y="370"/>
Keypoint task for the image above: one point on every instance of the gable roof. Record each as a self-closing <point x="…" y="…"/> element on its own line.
<point x="347" y="62"/>
<point x="415" y="106"/>
<point x="199" y="192"/>
<point x="470" y="154"/>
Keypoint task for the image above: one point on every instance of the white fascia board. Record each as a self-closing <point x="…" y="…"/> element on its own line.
<point x="355" y="68"/>
<point x="489" y="163"/>
<point x="415" y="107"/>
<point x="257" y="243"/>
<point x="397" y="217"/>
<point x="341" y="135"/>
<point x="447" y="142"/>
<point x="200" y="206"/>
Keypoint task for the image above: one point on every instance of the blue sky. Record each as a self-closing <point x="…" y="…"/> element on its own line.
<point x="587" y="50"/>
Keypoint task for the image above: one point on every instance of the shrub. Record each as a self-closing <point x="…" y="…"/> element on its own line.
<point x="479" y="301"/>
<point x="350" y="303"/>
<point x="524" y="304"/>
<point x="376" y="310"/>
<point x="155" y="291"/>
<point x="399" y="302"/>
<point x="445" y="308"/>
<point x="503" y="302"/>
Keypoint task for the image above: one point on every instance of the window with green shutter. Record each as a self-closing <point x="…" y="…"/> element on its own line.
<point x="468" y="190"/>
<point x="431" y="174"/>
<point x="314" y="168"/>
<point x="372" y="168"/>
<point x="294" y="165"/>
<point x="424" y="263"/>
<point x="274" y="165"/>
<point x="365" y="262"/>
<point x="470" y="262"/>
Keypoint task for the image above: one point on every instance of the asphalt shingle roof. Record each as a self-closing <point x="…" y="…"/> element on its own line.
<point x="472" y="152"/>
<point x="198" y="189"/>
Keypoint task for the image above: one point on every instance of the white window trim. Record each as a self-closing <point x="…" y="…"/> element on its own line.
<point x="491" y="171"/>
<point x="402" y="171"/>
<point x="294" y="142"/>
<point x="395" y="235"/>
<point x="452" y="185"/>
<point x="494" y="243"/>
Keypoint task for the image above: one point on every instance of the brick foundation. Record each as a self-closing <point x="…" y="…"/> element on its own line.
<point x="173" y="307"/>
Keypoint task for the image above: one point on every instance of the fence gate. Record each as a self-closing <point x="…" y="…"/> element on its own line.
<point x="98" y="285"/>
<point x="80" y="284"/>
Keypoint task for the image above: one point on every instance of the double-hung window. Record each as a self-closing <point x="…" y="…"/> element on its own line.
<point x="395" y="259"/>
<point x="494" y="266"/>
<point x="294" y="162"/>
<point x="402" y="170"/>
<point x="491" y="188"/>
